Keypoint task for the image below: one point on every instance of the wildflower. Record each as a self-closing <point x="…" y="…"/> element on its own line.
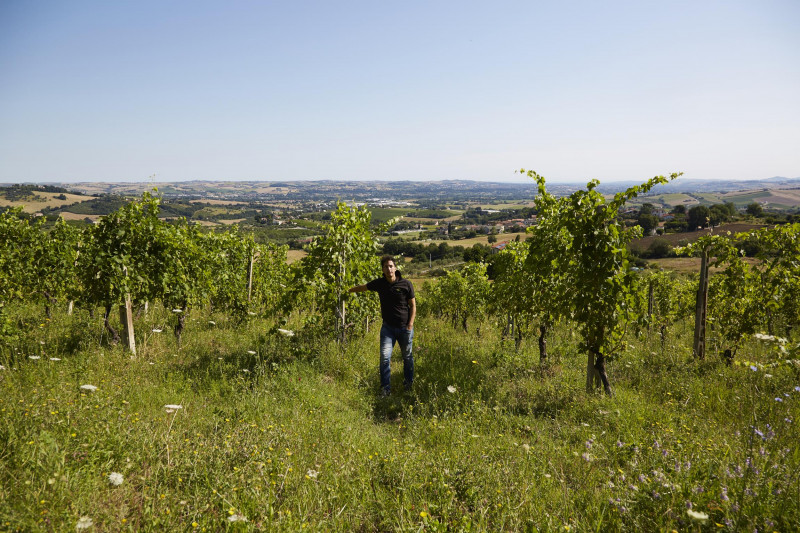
<point x="797" y="389"/>
<point x="251" y="352"/>
<point x="176" y="310"/>
<point x="171" y="408"/>
<point x="84" y="522"/>
<point x="754" y="368"/>
<point x="156" y="331"/>
<point x="451" y="389"/>
<point x="423" y="514"/>
<point x="237" y="518"/>
<point x="620" y="444"/>
<point x="2" y="367"/>
<point x="724" y="495"/>
<point x="778" y="399"/>
<point x="34" y="357"/>
<point x="697" y="515"/>
<point x="588" y="444"/>
<point x="474" y="362"/>
<point x="759" y="433"/>
<point x="286" y="332"/>
<point x="656" y="495"/>
<point x="55" y="359"/>
<point x="115" y="478"/>
<point x="212" y="323"/>
<point x="312" y="474"/>
<point x="586" y="457"/>
<point x="89" y="387"/>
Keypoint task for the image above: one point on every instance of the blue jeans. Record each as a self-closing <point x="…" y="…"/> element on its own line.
<point x="390" y="335"/>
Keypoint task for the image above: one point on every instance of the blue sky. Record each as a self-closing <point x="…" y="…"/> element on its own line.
<point x="118" y="91"/>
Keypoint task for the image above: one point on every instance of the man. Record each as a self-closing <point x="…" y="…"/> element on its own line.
<point x="398" y="310"/>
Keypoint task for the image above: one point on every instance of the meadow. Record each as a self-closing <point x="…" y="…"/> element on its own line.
<point x="246" y="427"/>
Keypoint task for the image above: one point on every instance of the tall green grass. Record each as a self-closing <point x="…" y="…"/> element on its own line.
<point x="290" y="434"/>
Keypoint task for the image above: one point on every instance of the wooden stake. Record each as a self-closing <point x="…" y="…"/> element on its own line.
<point x="699" y="344"/>
<point x="126" y="317"/>
<point x="250" y="279"/>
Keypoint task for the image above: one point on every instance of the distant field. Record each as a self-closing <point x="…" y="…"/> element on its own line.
<point x="776" y="198"/>
<point x="480" y="239"/>
<point x="40" y="200"/>
<point x="506" y="206"/>
<point x="217" y="202"/>
<point x="677" y="239"/>
<point x="295" y="255"/>
<point x="686" y="264"/>
<point x="75" y="216"/>
<point x="382" y="214"/>
<point x="671" y="199"/>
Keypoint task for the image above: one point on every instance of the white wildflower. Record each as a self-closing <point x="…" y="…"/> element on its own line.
<point x="34" y="357"/>
<point x="157" y="331"/>
<point x="286" y="332"/>
<point x="697" y="515"/>
<point x="451" y="389"/>
<point x="312" y="474"/>
<point x="176" y="310"/>
<point x="84" y="522"/>
<point x="251" y="352"/>
<point x="212" y="323"/>
<point x="55" y="359"/>
<point x="251" y="313"/>
<point x="115" y="478"/>
<point x="89" y="387"/>
<point x="2" y="367"/>
<point x="172" y="407"/>
<point x="237" y="518"/>
<point x="762" y="337"/>
<point x="526" y="447"/>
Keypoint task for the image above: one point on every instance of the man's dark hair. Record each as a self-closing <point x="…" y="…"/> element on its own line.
<point x="387" y="258"/>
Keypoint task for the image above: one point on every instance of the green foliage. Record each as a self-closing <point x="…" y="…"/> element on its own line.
<point x="121" y="256"/>
<point x="461" y="294"/>
<point x="592" y="256"/>
<point x="344" y="256"/>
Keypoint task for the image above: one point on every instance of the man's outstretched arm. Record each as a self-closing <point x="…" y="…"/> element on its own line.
<point x="357" y="288"/>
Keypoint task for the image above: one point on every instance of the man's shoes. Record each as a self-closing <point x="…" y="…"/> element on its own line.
<point x="385" y="393"/>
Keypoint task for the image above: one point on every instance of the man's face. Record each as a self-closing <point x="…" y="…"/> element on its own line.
<point x="388" y="270"/>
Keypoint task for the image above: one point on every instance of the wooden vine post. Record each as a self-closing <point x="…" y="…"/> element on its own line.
<point x="126" y="317"/>
<point x="250" y="277"/>
<point x="699" y="344"/>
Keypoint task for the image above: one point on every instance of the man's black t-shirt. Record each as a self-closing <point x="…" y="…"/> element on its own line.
<point x="394" y="299"/>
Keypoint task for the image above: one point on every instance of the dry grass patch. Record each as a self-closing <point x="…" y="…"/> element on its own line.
<point x="39" y="200"/>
